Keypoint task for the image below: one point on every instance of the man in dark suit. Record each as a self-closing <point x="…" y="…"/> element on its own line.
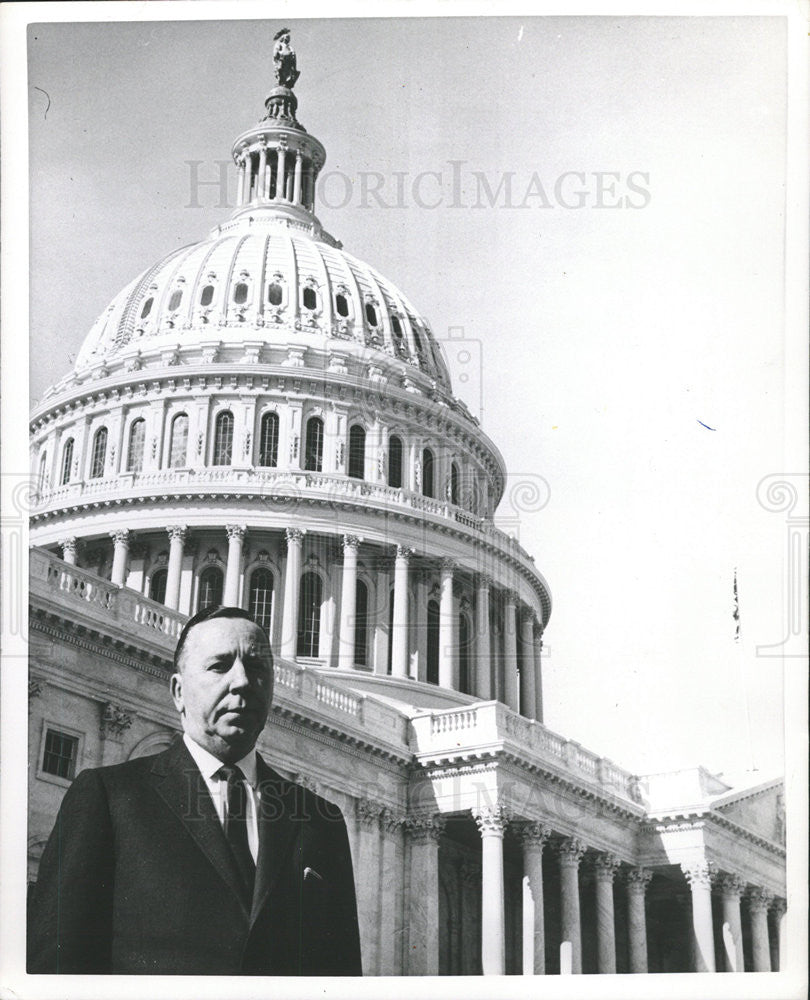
<point x="200" y="860"/>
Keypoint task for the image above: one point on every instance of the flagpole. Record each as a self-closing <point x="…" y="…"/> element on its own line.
<point x="741" y="670"/>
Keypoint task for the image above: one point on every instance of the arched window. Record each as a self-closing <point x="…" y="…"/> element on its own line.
<point x="371" y="314"/>
<point x="433" y="642"/>
<point x="260" y="602"/>
<point x="454" y="484"/>
<point x="361" y="624"/>
<point x="207" y="296"/>
<point x="396" y="326"/>
<point x="428" y="488"/>
<point x="395" y="461"/>
<point x="179" y="441"/>
<point x="42" y="481"/>
<point x="223" y="438"/>
<point x="147" y="308"/>
<point x="310" y="299"/>
<point x="176" y="299"/>
<point x="309" y="615"/>
<point x="464" y="679"/>
<point x="341" y="305"/>
<point x="67" y="461"/>
<point x="99" y="454"/>
<point x="357" y="452"/>
<point x="313" y="449"/>
<point x="157" y="586"/>
<point x="240" y="293"/>
<point x="275" y="294"/>
<point x="268" y="440"/>
<point x="210" y="592"/>
<point x="137" y="441"/>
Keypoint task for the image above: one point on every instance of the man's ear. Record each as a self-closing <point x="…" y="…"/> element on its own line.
<point x="176" y="688"/>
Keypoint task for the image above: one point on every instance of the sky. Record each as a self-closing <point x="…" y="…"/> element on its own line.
<point x="591" y="214"/>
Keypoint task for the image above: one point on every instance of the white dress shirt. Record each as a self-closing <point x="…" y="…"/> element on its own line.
<point x="209" y="765"/>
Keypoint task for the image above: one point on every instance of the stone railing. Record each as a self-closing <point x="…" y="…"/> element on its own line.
<point x="284" y="487"/>
<point x="118" y="606"/>
<point x="451" y="732"/>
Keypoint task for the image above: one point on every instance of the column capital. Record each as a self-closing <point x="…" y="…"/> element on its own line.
<point x="531" y="833"/>
<point x="638" y="879"/>
<point x="448" y="565"/>
<point x="605" y="867"/>
<point x="236" y="531"/>
<point x="69" y="544"/>
<point x="698" y="873"/>
<point x="779" y="906"/>
<point x="483" y="581"/>
<point x="758" y="899"/>
<point x="491" y="819"/>
<point x="511" y="597"/>
<point x="115" y="721"/>
<point x="570" y="851"/>
<point x="121" y="536"/>
<point x="177" y="532"/>
<point x="425" y="829"/>
<point x="294" y="536"/>
<point x="368" y="813"/>
<point x="351" y="542"/>
<point x="527" y="615"/>
<point x="390" y="820"/>
<point x="731" y="885"/>
<point x="404" y="552"/>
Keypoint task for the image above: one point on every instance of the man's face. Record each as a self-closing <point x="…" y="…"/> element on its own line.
<point x="224" y="686"/>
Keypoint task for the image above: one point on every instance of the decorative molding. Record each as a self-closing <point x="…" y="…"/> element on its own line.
<point x="531" y="833"/>
<point x="491" y="819"/>
<point x="731" y="885"/>
<point x="368" y="813"/>
<point x="351" y="542"/>
<point x="294" y="535"/>
<point x="637" y="879"/>
<point x="605" y="867"/>
<point x="699" y="874"/>
<point x="236" y="532"/>
<point x="115" y="721"/>
<point x="35" y="688"/>
<point x="425" y="829"/>
<point x="177" y="532"/>
<point x="120" y="536"/>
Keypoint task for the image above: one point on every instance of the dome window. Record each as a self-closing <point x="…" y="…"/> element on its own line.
<point x="240" y="293"/>
<point x="371" y="314"/>
<point x="99" y="453"/>
<point x="274" y="294"/>
<point x="309" y="615"/>
<point x="427" y="473"/>
<point x="357" y="452"/>
<point x="310" y="299"/>
<point x="260" y="602"/>
<point x="395" y="461"/>
<point x="147" y="307"/>
<point x="223" y="438"/>
<point x="207" y="296"/>
<point x="157" y="586"/>
<point x="313" y="449"/>
<point x="67" y="461"/>
<point x="396" y="326"/>
<point x="341" y="305"/>
<point x="175" y="300"/>
<point x="137" y="442"/>
<point x="210" y="589"/>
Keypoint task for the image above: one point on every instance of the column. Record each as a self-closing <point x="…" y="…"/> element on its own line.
<point x="262" y="170"/>
<point x="120" y="552"/>
<point x="470" y="929"/>
<point x="297" y="181"/>
<point x="240" y="192"/>
<point x="533" y="836"/>
<point x="491" y="822"/>
<point x="399" y="643"/>
<point x="447" y="650"/>
<point x="699" y="876"/>
<point x="423" y="896"/>
<point x="483" y="657"/>
<point x="605" y="868"/>
<point x="778" y="911"/>
<point x="248" y="176"/>
<point x="392" y="923"/>
<point x="368" y="815"/>
<point x="292" y="580"/>
<point x="527" y="696"/>
<point x="281" y="173"/>
<point x="510" y="672"/>
<point x="637" y="882"/>
<point x="348" y="603"/>
<point x="538" y="673"/>
<point x="571" y="851"/>
<point x="731" y="886"/>
<point x="381" y="618"/>
<point x="758" y="902"/>
<point x="69" y="549"/>
<point x="177" y="536"/>
<point x="233" y="570"/>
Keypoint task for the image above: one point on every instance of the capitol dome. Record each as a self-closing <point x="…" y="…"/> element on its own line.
<point x="263" y="419"/>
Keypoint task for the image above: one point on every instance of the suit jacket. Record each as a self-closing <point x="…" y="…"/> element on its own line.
<point x="137" y="877"/>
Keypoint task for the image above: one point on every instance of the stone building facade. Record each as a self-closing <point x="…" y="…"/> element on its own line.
<point x="262" y="419"/>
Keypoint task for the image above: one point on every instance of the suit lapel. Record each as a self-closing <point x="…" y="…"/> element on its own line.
<point x="178" y="781"/>
<point x="276" y="831"/>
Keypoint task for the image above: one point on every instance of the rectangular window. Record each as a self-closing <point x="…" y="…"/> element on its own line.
<point x="60" y="754"/>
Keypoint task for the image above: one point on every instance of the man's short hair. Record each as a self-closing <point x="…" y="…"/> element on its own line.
<point x="215" y="611"/>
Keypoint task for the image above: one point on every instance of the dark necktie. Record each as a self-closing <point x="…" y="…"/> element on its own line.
<point x="236" y="823"/>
